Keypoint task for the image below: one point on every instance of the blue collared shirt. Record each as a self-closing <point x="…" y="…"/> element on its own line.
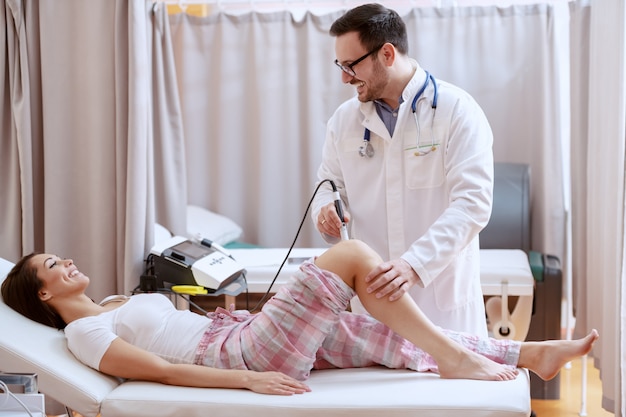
<point x="388" y="115"/>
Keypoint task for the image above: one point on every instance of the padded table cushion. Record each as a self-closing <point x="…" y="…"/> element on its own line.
<point x="361" y="392"/>
<point x="510" y="266"/>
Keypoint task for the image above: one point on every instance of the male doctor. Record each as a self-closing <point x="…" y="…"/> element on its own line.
<point x="416" y="181"/>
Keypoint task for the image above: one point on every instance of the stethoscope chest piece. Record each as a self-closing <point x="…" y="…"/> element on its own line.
<point x="366" y="149"/>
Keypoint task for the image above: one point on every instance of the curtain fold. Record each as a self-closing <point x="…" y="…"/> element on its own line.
<point x="18" y="218"/>
<point x="168" y="134"/>
<point x="134" y="148"/>
<point x="601" y="154"/>
<point x="256" y="91"/>
<point x="76" y="136"/>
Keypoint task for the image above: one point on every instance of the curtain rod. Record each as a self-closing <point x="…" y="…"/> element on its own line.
<point x="286" y="2"/>
<point x="340" y="3"/>
<point x="290" y="4"/>
<point x="295" y="6"/>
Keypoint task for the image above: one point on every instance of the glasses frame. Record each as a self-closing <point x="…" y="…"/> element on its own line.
<point x="348" y="68"/>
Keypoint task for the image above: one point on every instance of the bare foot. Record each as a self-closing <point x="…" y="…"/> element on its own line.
<point x="546" y="358"/>
<point x="474" y="366"/>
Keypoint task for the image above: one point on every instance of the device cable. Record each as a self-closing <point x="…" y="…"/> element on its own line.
<point x="8" y="394"/>
<point x="344" y="236"/>
<point x="293" y="243"/>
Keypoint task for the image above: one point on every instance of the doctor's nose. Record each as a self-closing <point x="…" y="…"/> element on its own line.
<point x="346" y="78"/>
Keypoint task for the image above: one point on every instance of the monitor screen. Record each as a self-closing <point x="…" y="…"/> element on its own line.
<point x="189" y="249"/>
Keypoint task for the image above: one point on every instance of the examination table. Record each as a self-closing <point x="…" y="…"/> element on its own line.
<point x="26" y="346"/>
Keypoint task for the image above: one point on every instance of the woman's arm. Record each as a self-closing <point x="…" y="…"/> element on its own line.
<point x="127" y="361"/>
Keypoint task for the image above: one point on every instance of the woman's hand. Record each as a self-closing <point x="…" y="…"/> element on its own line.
<point x="275" y="383"/>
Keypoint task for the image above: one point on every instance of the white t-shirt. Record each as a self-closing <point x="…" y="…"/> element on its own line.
<point x="148" y="321"/>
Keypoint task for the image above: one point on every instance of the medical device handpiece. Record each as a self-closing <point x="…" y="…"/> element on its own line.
<point x="339" y="208"/>
<point x="211" y="244"/>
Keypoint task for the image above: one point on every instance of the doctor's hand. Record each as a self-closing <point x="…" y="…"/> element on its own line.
<point x="391" y="279"/>
<point x="275" y="383"/>
<point x="328" y="221"/>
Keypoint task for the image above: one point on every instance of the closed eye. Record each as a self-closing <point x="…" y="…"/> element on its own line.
<point x="53" y="262"/>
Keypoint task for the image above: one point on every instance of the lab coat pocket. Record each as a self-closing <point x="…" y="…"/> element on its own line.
<point x="353" y="148"/>
<point x="423" y="170"/>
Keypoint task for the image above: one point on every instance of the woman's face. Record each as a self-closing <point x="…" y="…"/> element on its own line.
<point x="60" y="277"/>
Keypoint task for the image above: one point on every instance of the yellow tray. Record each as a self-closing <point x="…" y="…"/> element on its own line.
<point x="189" y="289"/>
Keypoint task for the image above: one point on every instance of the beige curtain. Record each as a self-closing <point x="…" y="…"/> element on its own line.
<point x="257" y="88"/>
<point x="20" y="121"/>
<point x="598" y="150"/>
<point x="170" y="175"/>
<point x="76" y="160"/>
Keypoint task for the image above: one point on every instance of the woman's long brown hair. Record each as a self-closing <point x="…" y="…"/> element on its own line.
<point x="20" y="291"/>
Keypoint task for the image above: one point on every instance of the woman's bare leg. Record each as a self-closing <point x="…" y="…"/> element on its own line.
<point x="352" y="260"/>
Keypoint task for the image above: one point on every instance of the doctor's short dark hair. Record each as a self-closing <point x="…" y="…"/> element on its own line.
<point x="375" y="24"/>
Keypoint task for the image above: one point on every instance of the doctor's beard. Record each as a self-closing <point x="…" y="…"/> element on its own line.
<point x="374" y="89"/>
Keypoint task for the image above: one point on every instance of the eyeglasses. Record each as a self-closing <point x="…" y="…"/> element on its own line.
<point x="348" y="68"/>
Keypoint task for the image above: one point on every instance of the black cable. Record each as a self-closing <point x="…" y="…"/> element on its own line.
<point x="265" y="296"/>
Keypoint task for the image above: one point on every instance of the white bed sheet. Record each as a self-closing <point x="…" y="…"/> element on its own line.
<point x="26" y="346"/>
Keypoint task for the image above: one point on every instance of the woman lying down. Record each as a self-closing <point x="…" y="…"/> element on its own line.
<point x="303" y="327"/>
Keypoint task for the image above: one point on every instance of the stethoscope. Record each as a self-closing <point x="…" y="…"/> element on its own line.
<point x="368" y="150"/>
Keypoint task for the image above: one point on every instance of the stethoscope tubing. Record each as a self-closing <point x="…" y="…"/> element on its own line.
<point x="367" y="150"/>
<point x="429" y="77"/>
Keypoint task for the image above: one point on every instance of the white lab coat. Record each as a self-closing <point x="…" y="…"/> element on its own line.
<point x="425" y="209"/>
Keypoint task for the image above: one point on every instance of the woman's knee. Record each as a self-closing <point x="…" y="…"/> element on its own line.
<point x="356" y="253"/>
<point x="354" y="245"/>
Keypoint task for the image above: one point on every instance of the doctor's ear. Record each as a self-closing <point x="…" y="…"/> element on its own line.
<point x="389" y="53"/>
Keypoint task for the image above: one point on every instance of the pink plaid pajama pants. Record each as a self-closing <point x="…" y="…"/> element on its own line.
<point x="305" y="326"/>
